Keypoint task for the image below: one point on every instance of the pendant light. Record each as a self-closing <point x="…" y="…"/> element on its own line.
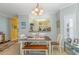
<point x="37" y="11"/>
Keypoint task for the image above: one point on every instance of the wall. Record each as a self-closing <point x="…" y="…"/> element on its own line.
<point x="53" y="33"/>
<point x="77" y="21"/>
<point x="58" y="21"/>
<point x="23" y="18"/>
<point x="52" y="18"/>
<point x="71" y="11"/>
<point x="4" y="26"/>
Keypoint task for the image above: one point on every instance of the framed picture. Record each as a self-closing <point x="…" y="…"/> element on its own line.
<point x="23" y="25"/>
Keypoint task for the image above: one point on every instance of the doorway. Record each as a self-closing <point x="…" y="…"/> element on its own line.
<point x="14" y="29"/>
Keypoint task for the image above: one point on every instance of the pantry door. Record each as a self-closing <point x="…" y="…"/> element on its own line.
<point x="14" y="28"/>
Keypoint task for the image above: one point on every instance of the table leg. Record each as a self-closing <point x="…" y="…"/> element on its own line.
<point x="46" y="52"/>
<point x="50" y="48"/>
<point x="21" y="51"/>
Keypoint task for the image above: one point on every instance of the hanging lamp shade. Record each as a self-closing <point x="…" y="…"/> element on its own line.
<point x="37" y="11"/>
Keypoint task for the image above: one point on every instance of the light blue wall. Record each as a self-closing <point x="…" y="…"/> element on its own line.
<point x="4" y="26"/>
<point x="53" y="33"/>
<point x="23" y="19"/>
<point x="77" y="21"/>
<point x="70" y="10"/>
<point x="52" y="18"/>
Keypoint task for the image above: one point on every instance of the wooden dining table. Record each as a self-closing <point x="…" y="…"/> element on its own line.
<point x="37" y="39"/>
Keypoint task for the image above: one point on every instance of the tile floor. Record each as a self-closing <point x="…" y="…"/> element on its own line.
<point x="13" y="50"/>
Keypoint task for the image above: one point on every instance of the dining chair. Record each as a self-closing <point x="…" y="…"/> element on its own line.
<point x="57" y="43"/>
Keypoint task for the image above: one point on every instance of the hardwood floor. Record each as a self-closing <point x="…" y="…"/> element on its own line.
<point x="14" y="50"/>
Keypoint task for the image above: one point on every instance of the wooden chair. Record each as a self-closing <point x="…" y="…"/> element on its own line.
<point x="57" y="44"/>
<point x="35" y="48"/>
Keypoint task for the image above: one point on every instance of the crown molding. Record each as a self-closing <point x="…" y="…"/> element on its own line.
<point x="68" y="5"/>
<point x="4" y="15"/>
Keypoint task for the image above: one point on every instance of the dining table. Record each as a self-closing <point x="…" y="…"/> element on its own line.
<point x="35" y="39"/>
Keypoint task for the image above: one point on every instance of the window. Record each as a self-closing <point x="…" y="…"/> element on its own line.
<point x="68" y="27"/>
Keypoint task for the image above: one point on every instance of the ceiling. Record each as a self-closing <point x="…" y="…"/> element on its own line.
<point x="26" y="8"/>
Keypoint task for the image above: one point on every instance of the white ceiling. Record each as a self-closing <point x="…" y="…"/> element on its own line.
<point x="25" y="8"/>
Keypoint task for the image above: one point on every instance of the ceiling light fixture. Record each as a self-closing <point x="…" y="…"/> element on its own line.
<point x="37" y="11"/>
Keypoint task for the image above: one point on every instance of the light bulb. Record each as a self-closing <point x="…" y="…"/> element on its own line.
<point x="40" y="13"/>
<point x="36" y="9"/>
<point x="35" y="14"/>
<point x="41" y="10"/>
